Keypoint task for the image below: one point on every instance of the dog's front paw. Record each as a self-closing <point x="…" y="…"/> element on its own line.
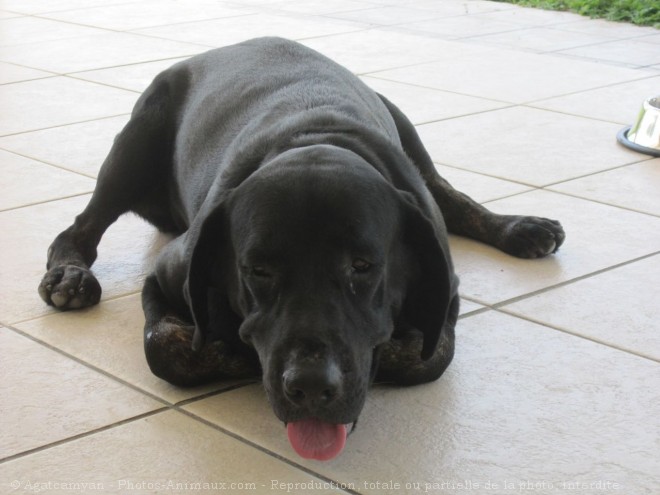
<point x="169" y="353"/>
<point x="531" y="237"/>
<point x="70" y="287"/>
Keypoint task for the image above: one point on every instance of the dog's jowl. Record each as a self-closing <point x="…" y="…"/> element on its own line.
<point x="311" y="235"/>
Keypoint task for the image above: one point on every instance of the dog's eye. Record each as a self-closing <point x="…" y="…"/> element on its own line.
<point x="261" y="272"/>
<point x="360" y="266"/>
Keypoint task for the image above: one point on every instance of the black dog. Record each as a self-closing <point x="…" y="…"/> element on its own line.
<point x="311" y="248"/>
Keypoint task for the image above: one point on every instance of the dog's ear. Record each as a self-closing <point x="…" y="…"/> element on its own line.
<point x="208" y="249"/>
<point x="433" y="284"/>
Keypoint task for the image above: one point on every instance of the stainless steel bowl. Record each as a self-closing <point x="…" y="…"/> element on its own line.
<point x="644" y="134"/>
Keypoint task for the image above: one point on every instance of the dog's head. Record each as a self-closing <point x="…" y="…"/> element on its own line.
<point x="320" y="257"/>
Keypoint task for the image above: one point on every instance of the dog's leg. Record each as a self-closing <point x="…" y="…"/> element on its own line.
<point x="168" y="346"/>
<point x="522" y="236"/>
<point x="128" y="175"/>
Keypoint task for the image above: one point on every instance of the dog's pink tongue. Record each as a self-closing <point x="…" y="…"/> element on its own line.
<point x="315" y="439"/>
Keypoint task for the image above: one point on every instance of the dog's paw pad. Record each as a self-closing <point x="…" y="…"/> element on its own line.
<point x="70" y="287"/>
<point x="533" y="237"/>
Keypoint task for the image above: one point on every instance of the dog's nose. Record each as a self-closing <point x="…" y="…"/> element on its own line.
<point x="313" y="384"/>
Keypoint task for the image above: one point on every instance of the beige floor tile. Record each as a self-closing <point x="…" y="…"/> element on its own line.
<point x="634" y="187"/>
<point x="149" y="13"/>
<point x="527" y="145"/>
<point x="39" y="6"/>
<point x="653" y="38"/>
<point x="10" y="73"/>
<point x="458" y="7"/>
<point x="510" y="75"/>
<point x="132" y="77"/>
<point x="24" y="181"/>
<point x="625" y="52"/>
<point x="460" y="27"/>
<point x="540" y="39"/>
<point x="619" y="307"/>
<point x="48" y="397"/>
<point x="382" y="49"/>
<point x="221" y="32"/>
<point x="619" y="30"/>
<point x="96" y="52"/>
<point x="321" y="7"/>
<point x="164" y="453"/>
<point x="46" y="103"/>
<point x="619" y="103"/>
<point x="386" y="15"/>
<point x="597" y="237"/>
<point x="246" y="412"/>
<point x="8" y="15"/>
<point x="25" y="30"/>
<point x="422" y="105"/>
<point x="532" y="17"/>
<point x="77" y="147"/>
<point x="126" y="254"/>
<point x="520" y="403"/>
<point x="479" y="187"/>
<point x="109" y="336"/>
<point x="448" y="8"/>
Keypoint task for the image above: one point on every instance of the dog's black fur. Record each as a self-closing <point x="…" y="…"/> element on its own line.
<point x="312" y="246"/>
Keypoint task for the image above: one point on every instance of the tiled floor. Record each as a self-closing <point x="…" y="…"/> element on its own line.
<point x="555" y="387"/>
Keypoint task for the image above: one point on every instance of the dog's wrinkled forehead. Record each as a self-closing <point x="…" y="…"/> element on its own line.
<point x="325" y="199"/>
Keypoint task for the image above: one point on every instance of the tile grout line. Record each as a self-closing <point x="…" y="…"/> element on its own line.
<point x="604" y="203"/>
<point x="100" y="83"/>
<point x="27" y="131"/>
<point x="505" y="106"/>
<point x="36" y="14"/>
<point x="589" y="45"/>
<point x="605" y="86"/>
<point x="474" y="312"/>
<point x="627" y="37"/>
<point x="479" y="37"/>
<point x="532" y="105"/>
<point x="47" y="315"/>
<point x="512" y="300"/>
<point x="90" y="366"/>
<point x="130" y="64"/>
<point x="592" y="60"/>
<point x="490" y="176"/>
<point x="374" y="74"/>
<point x="401" y="26"/>
<point x="49" y="74"/>
<point x="578" y="335"/>
<point x="262" y="449"/>
<point x="48" y="164"/>
<point x="79" y="436"/>
<point x="641" y="159"/>
<point x="548" y="187"/>
<point x="242" y="383"/>
<point x="62" y="198"/>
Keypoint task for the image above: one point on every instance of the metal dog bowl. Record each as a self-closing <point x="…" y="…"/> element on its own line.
<point x="644" y="135"/>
